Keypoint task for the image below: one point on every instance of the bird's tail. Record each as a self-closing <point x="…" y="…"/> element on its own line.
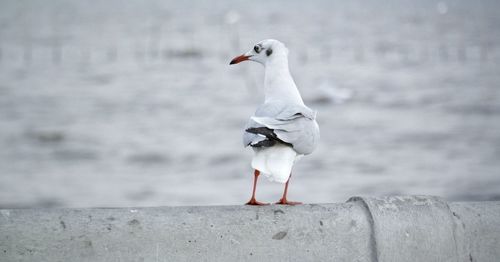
<point x="275" y="162"/>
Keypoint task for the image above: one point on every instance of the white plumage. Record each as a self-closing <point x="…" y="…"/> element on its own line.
<point x="275" y="162"/>
<point x="283" y="128"/>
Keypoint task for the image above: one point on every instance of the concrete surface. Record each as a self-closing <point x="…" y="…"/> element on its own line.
<point x="409" y="228"/>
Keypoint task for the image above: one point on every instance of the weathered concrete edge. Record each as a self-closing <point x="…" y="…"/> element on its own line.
<point x="396" y="228"/>
<point x="431" y="229"/>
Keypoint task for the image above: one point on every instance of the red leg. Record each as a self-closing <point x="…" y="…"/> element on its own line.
<point x="283" y="200"/>
<point x="252" y="201"/>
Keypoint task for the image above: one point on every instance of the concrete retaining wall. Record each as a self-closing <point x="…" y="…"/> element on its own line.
<point x="409" y="228"/>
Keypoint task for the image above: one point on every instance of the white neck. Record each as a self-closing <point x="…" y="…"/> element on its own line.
<point x="278" y="83"/>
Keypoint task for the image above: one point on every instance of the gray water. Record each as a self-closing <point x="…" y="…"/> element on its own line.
<point x="113" y="103"/>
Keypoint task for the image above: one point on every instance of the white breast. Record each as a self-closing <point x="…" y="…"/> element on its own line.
<point x="275" y="162"/>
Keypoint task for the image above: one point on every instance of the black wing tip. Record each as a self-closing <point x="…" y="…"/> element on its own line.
<point x="264" y="143"/>
<point x="268" y="133"/>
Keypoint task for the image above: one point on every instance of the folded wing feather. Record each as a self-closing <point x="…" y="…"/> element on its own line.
<point x="293" y="124"/>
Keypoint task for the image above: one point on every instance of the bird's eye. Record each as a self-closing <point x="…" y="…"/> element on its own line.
<point x="256" y="49"/>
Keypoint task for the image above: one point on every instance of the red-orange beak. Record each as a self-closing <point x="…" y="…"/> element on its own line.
<point x="239" y="59"/>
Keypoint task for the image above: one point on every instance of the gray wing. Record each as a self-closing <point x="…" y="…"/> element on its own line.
<point x="286" y="123"/>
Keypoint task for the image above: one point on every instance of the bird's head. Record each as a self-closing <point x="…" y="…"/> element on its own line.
<point x="262" y="52"/>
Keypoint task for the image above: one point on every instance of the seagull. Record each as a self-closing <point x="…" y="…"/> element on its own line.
<point x="283" y="128"/>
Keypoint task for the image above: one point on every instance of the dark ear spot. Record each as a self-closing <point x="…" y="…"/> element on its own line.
<point x="269" y="52"/>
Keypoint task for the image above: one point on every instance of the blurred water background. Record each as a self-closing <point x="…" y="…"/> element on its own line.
<point x="133" y="103"/>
